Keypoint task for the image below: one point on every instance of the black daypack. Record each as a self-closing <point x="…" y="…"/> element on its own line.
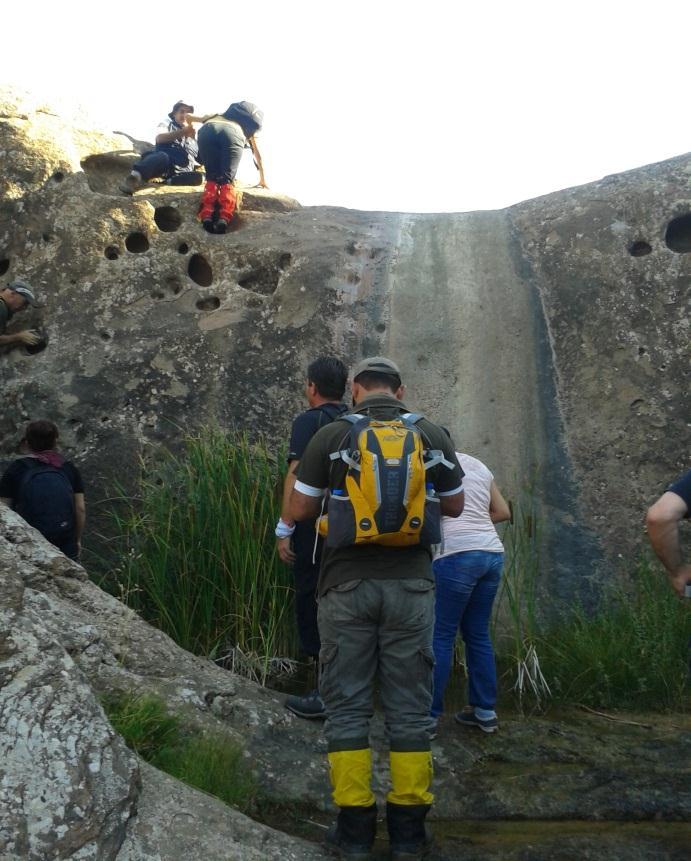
<point x="247" y="116"/>
<point x="46" y="501"/>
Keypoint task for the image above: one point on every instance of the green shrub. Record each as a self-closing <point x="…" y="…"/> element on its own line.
<point x="213" y="762"/>
<point x="631" y="654"/>
<point x="198" y="549"/>
<point x="143" y="723"/>
<point x="213" y="765"/>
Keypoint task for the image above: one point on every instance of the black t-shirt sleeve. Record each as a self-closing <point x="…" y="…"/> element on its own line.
<point x="304" y="428"/>
<point x="75" y="477"/>
<point x="315" y="464"/>
<point x="682" y="488"/>
<point x="445" y="480"/>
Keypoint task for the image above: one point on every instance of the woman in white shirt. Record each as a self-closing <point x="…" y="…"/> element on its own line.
<point x="467" y="574"/>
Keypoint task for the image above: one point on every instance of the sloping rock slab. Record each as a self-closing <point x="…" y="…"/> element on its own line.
<point x="565" y="767"/>
<point x="67" y="782"/>
<point x="175" y="822"/>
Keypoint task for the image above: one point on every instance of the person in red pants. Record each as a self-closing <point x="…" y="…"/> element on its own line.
<point x="222" y="140"/>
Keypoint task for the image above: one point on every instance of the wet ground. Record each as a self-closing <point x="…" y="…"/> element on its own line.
<point x="567" y="784"/>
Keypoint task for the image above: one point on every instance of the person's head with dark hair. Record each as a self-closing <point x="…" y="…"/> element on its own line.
<point x="376" y="374"/>
<point x="326" y="380"/>
<point x="41" y="435"/>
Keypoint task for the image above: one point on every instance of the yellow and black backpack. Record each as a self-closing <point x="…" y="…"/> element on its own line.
<point x="385" y="497"/>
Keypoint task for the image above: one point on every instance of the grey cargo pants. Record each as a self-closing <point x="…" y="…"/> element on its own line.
<point x="373" y="628"/>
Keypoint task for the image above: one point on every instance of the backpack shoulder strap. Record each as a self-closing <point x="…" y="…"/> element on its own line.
<point x="433" y="456"/>
<point x="342" y="453"/>
<point x="329" y="412"/>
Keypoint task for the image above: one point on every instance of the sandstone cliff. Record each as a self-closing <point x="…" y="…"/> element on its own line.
<point x="554" y="333"/>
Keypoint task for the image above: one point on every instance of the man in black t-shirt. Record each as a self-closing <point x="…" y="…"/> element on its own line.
<point x="46" y="490"/>
<point x="663" y="520"/>
<point x="295" y="542"/>
<point x="376" y="615"/>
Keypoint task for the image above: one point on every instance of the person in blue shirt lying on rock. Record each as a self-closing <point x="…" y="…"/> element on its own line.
<point x="16" y="297"/>
<point x="175" y="155"/>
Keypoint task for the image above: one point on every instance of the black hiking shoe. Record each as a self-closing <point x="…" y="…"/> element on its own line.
<point x="310" y="706"/>
<point x="221" y="225"/>
<point x="351" y="837"/>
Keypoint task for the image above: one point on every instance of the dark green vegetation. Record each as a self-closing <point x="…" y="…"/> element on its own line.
<point x="631" y="653"/>
<point x="212" y="763"/>
<point x="198" y="550"/>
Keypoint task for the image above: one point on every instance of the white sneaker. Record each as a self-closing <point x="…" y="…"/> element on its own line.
<point x="131" y="182"/>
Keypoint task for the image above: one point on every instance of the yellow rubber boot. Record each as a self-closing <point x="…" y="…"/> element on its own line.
<point x="411" y="777"/>
<point x="350" y="772"/>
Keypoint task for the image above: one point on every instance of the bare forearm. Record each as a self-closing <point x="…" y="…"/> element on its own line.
<point x="664" y="539"/>
<point x="169" y="137"/>
<point x="79" y="517"/>
<point x="288" y="485"/>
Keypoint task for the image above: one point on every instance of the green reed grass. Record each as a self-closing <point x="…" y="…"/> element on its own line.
<point x="198" y="549"/>
<point x="632" y="653"/>
<point x="516" y="606"/>
<point x="211" y="762"/>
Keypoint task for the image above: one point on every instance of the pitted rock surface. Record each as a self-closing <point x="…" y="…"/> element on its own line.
<point x="551" y="337"/>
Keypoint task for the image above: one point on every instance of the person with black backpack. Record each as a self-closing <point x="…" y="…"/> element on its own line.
<point x="222" y="140"/>
<point x="296" y="543"/>
<point x="47" y="490"/>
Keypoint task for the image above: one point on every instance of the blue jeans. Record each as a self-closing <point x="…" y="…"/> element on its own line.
<point x="467" y="583"/>
<point x="220" y="150"/>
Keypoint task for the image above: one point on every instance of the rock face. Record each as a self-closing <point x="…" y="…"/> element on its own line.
<point x="70" y="789"/>
<point x="551" y="338"/>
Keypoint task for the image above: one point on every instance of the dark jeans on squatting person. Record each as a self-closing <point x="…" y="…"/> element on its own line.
<point x="220" y="149"/>
<point x="370" y="629"/>
<point x="306" y="575"/>
<point x="467" y="584"/>
<point x="162" y="162"/>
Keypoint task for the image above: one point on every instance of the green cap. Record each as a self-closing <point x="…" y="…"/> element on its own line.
<point x="376" y="365"/>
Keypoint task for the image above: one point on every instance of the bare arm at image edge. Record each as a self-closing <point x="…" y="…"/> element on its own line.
<point x="27" y="337"/>
<point x="662" y="522"/>
<point x="499" y="510"/>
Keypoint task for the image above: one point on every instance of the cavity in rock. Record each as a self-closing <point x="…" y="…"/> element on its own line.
<point x="200" y="270"/>
<point x="137" y="242"/>
<point x="640" y="248"/>
<point x="112" y="252"/>
<point x="167" y="218"/>
<point x="4" y="265"/>
<point x="678" y="234"/>
<point x="209" y="303"/>
<point x="183" y="248"/>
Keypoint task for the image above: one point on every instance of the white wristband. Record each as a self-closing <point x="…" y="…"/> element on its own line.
<point x="283" y="530"/>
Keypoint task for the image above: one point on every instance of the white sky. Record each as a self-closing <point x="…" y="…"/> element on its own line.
<point x="384" y="104"/>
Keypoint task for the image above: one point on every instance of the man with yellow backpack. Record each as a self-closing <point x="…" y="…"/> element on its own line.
<point x="387" y="476"/>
